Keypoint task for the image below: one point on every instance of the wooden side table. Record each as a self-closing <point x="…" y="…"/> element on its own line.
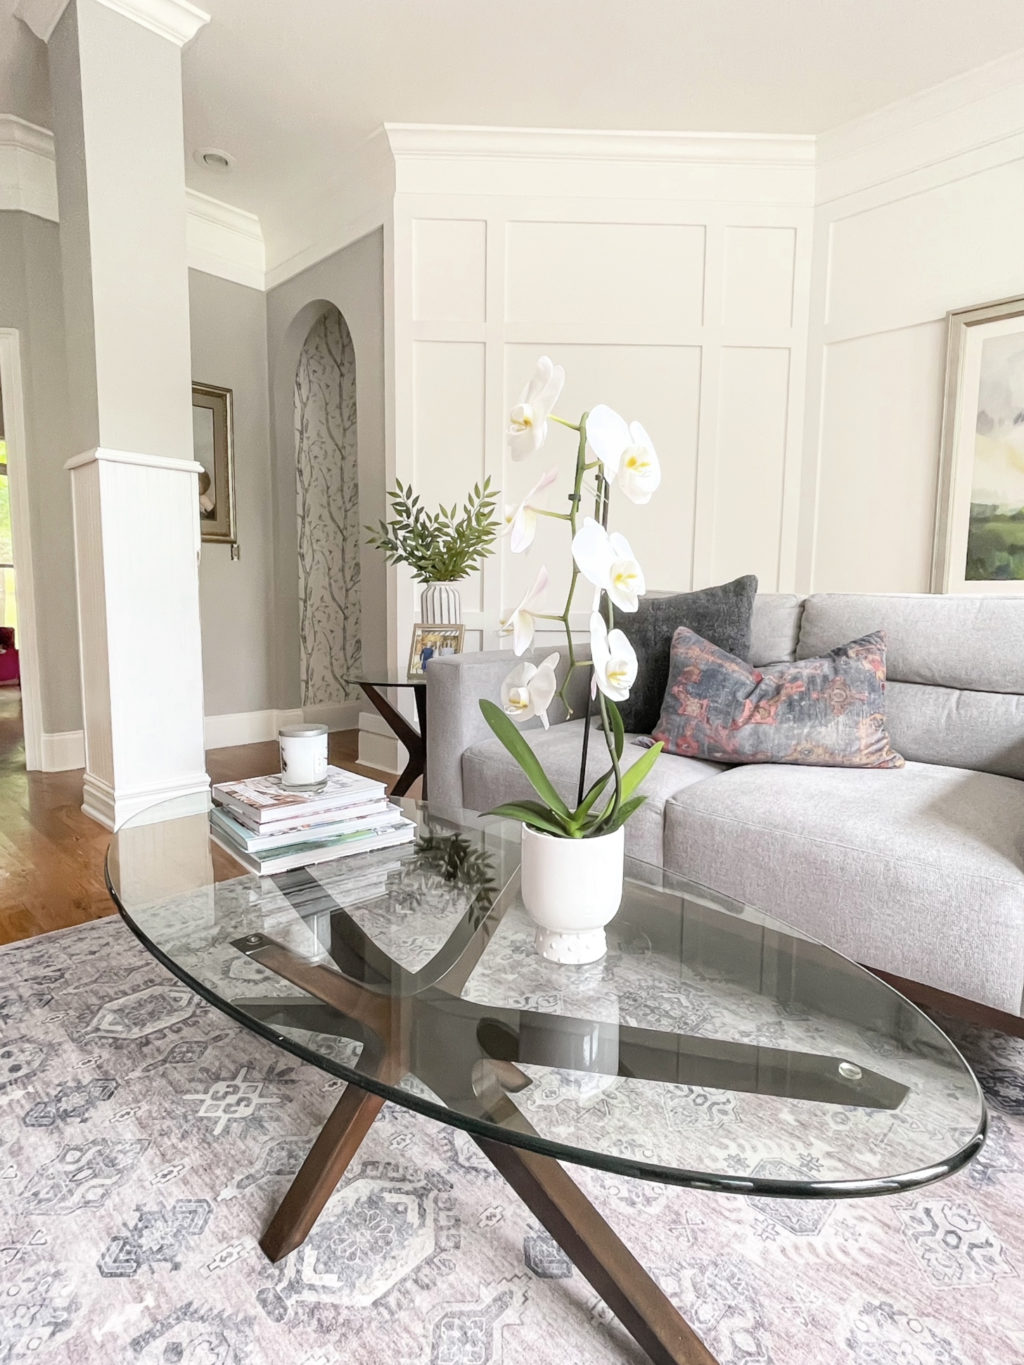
<point x="414" y="740"/>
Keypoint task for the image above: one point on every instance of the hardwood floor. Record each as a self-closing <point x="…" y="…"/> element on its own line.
<point x="51" y="855"/>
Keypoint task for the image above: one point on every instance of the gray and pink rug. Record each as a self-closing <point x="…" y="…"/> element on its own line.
<point x="145" y="1140"/>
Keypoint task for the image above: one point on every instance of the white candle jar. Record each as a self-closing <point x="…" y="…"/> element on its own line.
<point x="303" y="756"/>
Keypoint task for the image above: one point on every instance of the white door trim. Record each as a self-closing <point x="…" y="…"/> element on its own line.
<point x="18" y="479"/>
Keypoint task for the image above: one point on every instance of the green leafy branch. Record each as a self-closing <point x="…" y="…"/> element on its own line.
<point x="441" y="546"/>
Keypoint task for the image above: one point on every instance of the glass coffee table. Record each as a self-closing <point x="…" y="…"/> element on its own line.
<point x="712" y="1048"/>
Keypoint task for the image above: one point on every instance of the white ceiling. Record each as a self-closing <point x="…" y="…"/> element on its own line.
<point x="286" y="86"/>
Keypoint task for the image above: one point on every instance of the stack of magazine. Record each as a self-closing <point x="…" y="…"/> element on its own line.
<point x="270" y="828"/>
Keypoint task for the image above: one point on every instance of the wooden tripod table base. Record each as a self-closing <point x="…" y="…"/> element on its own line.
<point x="454" y="1043"/>
<point x="408" y="964"/>
<point x="554" y="1199"/>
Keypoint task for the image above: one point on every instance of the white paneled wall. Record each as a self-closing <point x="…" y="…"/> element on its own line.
<point x="683" y="311"/>
<point x="919" y="212"/>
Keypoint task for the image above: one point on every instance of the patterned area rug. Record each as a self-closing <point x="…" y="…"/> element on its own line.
<point x="145" y="1140"/>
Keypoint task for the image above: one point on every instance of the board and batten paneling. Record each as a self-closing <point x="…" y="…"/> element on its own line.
<point x="906" y="235"/>
<point x="690" y="318"/>
<point x="448" y="434"/>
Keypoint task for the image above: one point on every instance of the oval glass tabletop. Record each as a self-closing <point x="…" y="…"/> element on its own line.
<point x="712" y="1047"/>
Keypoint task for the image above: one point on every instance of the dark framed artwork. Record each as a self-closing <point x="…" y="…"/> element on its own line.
<point x="979" y="523"/>
<point x="212" y="443"/>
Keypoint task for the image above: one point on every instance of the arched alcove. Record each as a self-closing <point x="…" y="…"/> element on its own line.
<point x="327" y="507"/>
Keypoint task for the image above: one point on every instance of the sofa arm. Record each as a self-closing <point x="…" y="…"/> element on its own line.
<point x="455" y="686"/>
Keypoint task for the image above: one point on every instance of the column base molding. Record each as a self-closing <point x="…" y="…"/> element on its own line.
<point x="112" y="808"/>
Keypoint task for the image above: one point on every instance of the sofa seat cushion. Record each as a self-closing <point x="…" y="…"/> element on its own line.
<point x="916" y="870"/>
<point x="491" y="775"/>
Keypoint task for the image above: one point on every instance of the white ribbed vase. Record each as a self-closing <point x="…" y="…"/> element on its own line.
<point x="440" y="604"/>
<point x="571" y="888"/>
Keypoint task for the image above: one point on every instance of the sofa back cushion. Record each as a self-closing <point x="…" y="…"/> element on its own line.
<point x="775" y="627"/>
<point x="955" y="665"/>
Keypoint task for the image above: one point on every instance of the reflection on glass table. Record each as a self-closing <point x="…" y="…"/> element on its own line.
<point x="712" y="1047"/>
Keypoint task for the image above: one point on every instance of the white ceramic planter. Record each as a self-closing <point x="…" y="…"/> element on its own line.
<point x="440" y="604"/>
<point x="571" y="888"/>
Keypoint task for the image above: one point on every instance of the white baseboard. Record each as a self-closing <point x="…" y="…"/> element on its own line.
<point x="66" y="750"/>
<point x="340" y="715"/>
<point x="247" y="727"/>
<point x="61" y="752"/>
<point x="378" y="747"/>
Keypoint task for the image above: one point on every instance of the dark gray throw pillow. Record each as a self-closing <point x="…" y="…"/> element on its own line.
<point x="721" y="615"/>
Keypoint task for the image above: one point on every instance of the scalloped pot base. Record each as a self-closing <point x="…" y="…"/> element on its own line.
<point x="571" y="888"/>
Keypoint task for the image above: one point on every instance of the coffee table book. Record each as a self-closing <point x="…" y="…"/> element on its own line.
<point x="315" y="851"/>
<point x="283" y="834"/>
<point x="264" y="801"/>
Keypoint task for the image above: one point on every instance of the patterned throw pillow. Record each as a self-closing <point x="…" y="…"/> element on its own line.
<point x="828" y="712"/>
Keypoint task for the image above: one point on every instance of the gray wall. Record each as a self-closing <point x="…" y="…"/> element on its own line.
<point x="353" y="280"/>
<point x="250" y="606"/>
<point x="31" y="301"/>
<point x="236" y="597"/>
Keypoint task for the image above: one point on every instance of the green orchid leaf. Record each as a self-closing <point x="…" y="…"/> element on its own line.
<point x="633" y="776"/>
<point x="620" y="817"/>
<point x="534" y="814"/>
<point x="618" y="733"/>
<point x="581" y="812"/>
<point x="517" y="746"/>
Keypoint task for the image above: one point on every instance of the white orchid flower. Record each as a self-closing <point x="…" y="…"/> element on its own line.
<point x="626" y="453"/>
<point x="520" y="623"/>
<point x="614" y="659"/>
<point x="529" y="690"/>
<point x="528" y="421"/>
<point x="521" y="521"/>
<point x="608" y="562"/>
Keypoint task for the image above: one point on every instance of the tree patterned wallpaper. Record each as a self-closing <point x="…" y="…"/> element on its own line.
<point x="328" y="512"/>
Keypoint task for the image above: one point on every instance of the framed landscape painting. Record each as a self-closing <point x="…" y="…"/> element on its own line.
<point x="212" y="442"/>
<point x="979" y="537"/>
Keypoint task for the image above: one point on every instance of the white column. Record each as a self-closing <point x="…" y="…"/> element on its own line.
<point x="115" y="77"/>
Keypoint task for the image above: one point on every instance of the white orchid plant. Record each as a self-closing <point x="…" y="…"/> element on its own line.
<point x="609" y="451"/>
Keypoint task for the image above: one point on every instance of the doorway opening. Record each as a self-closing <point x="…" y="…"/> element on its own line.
<point x="11" y="732"/>
<point x="327" y="488"/>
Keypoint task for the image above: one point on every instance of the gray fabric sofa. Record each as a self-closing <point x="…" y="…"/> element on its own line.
<point x="917" y="871"/>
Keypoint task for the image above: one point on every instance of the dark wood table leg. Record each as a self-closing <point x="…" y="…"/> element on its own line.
<point x="326" y="1163"/>
<point x="413" y="740"/>
<point x="553" y="1198"/>
<point x="558" y="1203"/>
<point x="420" y="693"/>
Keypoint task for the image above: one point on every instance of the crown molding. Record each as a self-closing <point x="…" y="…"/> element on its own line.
<point x="40" y="15"/>
<point x="225" y="241"/>
<point x="353" y="202"/>
<point x="967" y="113"/>
<point x="576" y="144"/>
<point x="221" y="240"/>
<point x="176" y="20"/>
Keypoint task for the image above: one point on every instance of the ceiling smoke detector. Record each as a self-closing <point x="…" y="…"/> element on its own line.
<point x="213" y="158"/>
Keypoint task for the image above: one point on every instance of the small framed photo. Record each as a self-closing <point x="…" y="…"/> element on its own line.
<point x="979" y="537"/>
<point x="430" y="642"/>
<point x="212" y="444"/>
